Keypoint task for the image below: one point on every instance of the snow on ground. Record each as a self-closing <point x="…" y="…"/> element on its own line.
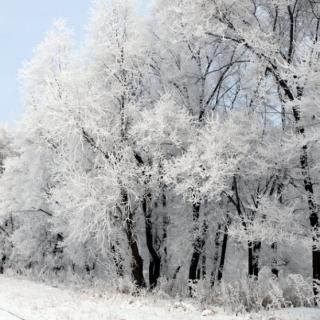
<point x="23" y="299"/>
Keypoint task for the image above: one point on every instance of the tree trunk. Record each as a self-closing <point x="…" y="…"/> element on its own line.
<point x="137" y="261"/>
<point x="274" y="245"/>
<point x="216" y="255"/>
<point x="314" y="220"/>
<point x="58" y="252"/>
<point x="223" y="251"/>
<point x="198" y="242"/>
<point x="274" y="263"/>
<point x="220" y="254"/>
<point x="165" y="223"/>
<point x="198" y="245"/>
<point x="204" y="265"/>
<point x="117" y="259"/>
<point x="155" y="260"/>
<point x="2" y="263"/>
<point x="254" y="248"/>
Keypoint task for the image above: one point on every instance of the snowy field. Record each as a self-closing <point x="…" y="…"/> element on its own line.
<point x="23" y="299"/>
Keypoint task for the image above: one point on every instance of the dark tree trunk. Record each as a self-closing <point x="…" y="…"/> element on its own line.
<point x="58" y="252"/>
<point x="198" y="242"/>
<point x="253" y="258"/>
<point x="165" y="223"/>
<point x="220" y="254"/>
<point x="274" y="263"/>
<point x="2" y="263"/>
<point x="223" y="252"/>
<point x="198" y="245"/>
<point x="137" y="261"/>
<point x="314" y="222"/>
<point x="316" y="268"/>
<point x="274" y="245"/>
<point x="253" y="246"/>
<point x="155" y="260"/>
<point x="58" y="249"/>
<point x="313" y="217"/>
<point x="117" y="259"/>
<point x="216" y="255"/>
<point x="204" y="266"/>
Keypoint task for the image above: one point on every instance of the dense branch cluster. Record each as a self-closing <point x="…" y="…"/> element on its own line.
<point x="181" y="146"/>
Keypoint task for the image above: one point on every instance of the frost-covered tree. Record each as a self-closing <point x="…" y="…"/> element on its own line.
<point x="27" y="181"/>
<point x="182" y="146"/>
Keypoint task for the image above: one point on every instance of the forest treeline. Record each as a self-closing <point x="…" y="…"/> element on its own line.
<point x="182" y="146"/>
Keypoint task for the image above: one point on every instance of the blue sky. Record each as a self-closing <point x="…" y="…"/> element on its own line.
<point x="23" y="24"/>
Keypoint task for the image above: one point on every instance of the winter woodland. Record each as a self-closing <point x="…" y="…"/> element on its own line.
<point x="176" y="152"/>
